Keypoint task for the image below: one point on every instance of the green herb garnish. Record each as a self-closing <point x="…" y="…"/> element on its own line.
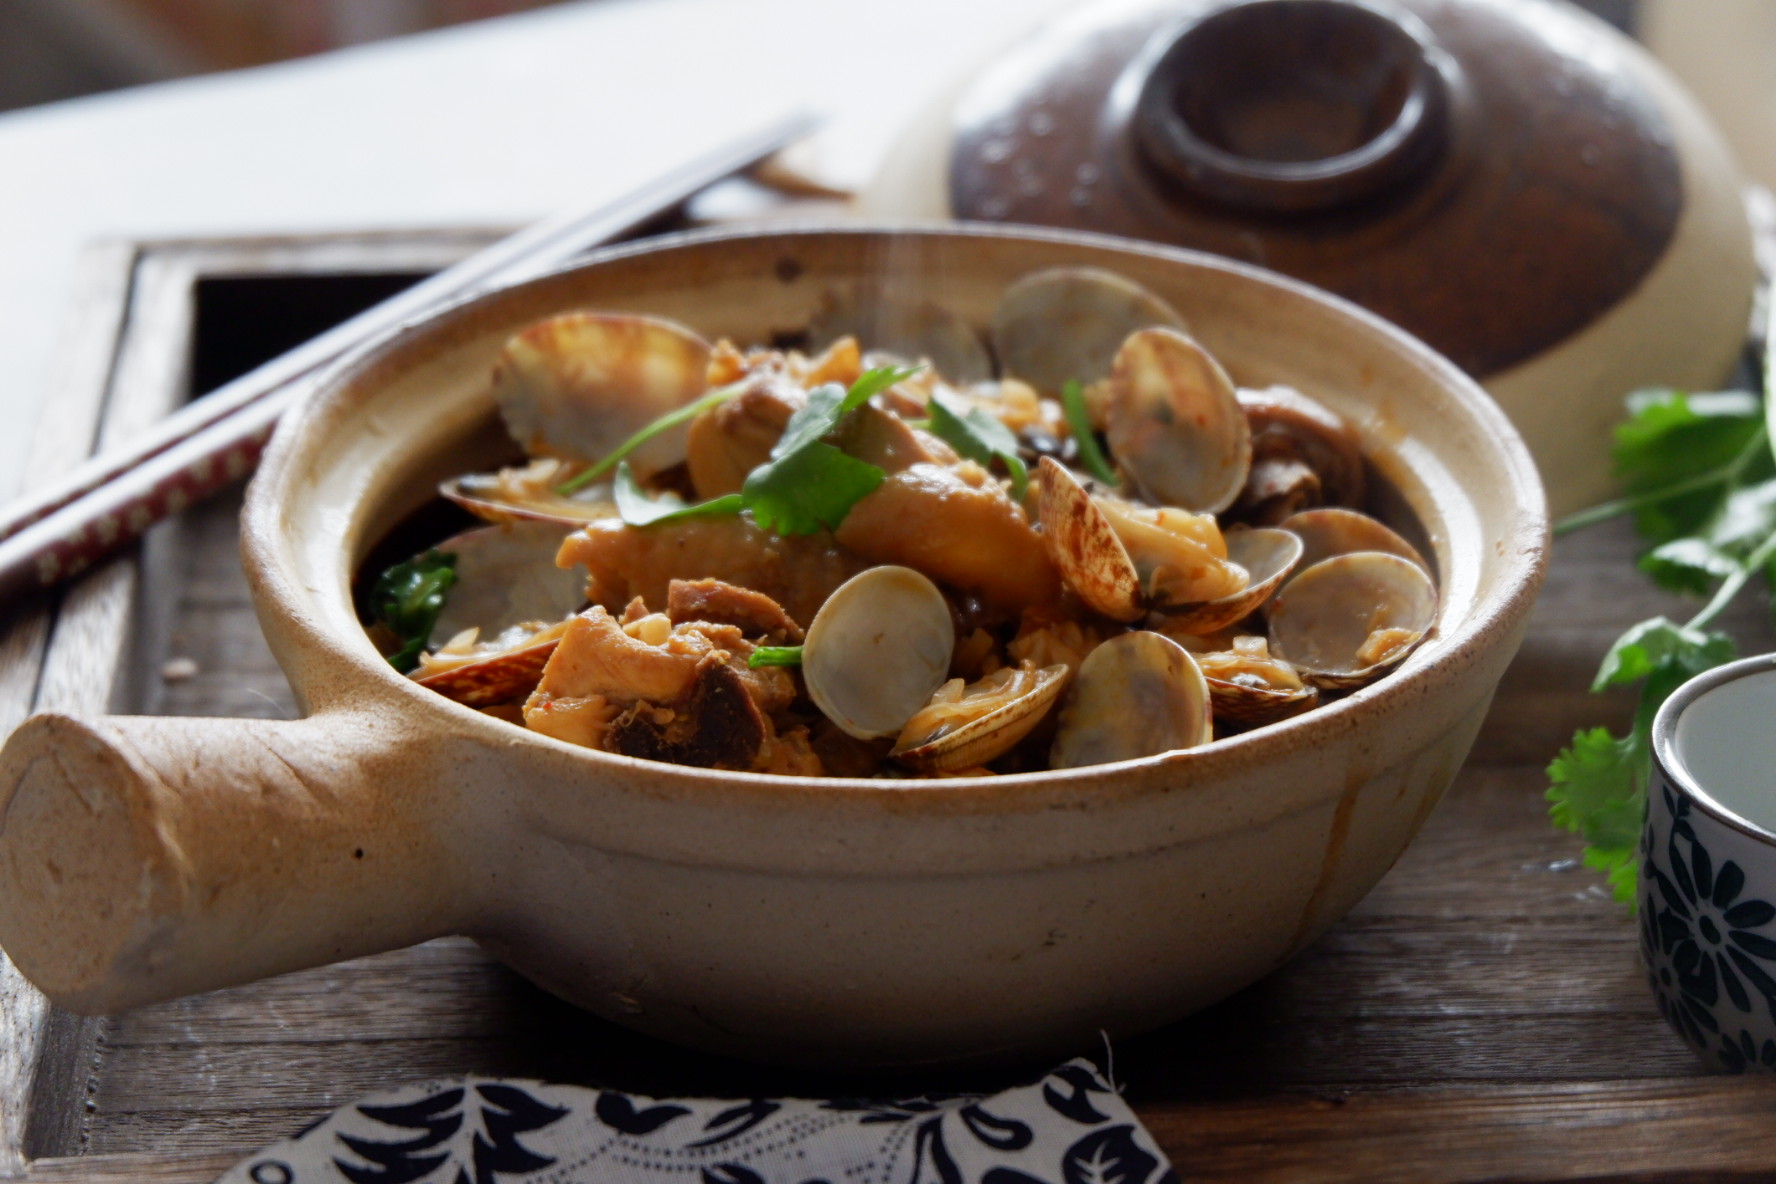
<point x="1701" y="483"/>
<point x="665" y="423"/>
<point x="638" y="509"/>
<point x="981" y="436"/>
<point x="1090" y="455"/>
<point x="808" y="485"/>
<point x="774" y="655"/>
<point x="408" y="597"/>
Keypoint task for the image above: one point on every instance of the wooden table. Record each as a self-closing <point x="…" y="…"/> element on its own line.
<point x="1481" y="1016"/>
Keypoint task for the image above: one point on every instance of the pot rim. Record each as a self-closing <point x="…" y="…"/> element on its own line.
<point x="1495" y="615"/>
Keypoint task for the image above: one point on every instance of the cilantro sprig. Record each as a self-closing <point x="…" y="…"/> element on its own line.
<point x="805" y="486"/>
<point x="407" y="599"/>
<point x="1700" y="477"/>
<point x="1079" y="419"/>
<point x="664" y="423"/>
<point x="980" y="436"/>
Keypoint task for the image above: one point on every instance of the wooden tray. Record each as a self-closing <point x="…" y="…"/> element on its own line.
<point x="1481" y="1016"/>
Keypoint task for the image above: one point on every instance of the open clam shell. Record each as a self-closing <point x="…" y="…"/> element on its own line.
<point x="579" y="384"/>
<point x="1250" y="706"/>
<point x="907" y="329"/>
<point x="498" y="671"/>
<point x="981" y="721"/>
<point x="877" y="650"/>
<point x="1337" y="531"/>
<point x="508" y="497"/>
<point x="1268" y="555"/>
<point x="1346" y="619"/>
<point x="1066" y="324"/>
<point x="1138" y="694"/>
<point x="1174" y="422"/>
<point x="506" y="576"/>
<point x="1304" y="454"/>
<point x="1083" y="545"/>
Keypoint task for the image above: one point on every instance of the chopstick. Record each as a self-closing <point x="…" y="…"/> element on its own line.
<point x="113" y="498"/>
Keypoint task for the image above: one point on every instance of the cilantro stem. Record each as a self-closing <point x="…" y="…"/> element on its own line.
<point x="774" y="655"/>
<point x="1730" y="587"/>
<point x="1725" y="474"/>
<point x="1079" y="419"/>
<point x="665" y="423"/>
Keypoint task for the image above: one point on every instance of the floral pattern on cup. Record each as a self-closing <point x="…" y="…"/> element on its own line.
<point x="1704" y="931"/>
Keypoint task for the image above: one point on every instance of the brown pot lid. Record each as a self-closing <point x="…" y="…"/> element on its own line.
<point x="1485" y="173"/>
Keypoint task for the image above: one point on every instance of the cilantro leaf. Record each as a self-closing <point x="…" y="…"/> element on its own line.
<point x="829" y="403"/>
<point x="638" y="509"/>
<point x="810" y="489"/>
<point x="1658" y="645"/>
<point x="774" y="655"/>
<point x="1598" y="790"/>
<point x="1687" y="565"/>
<point x="408" y="597"/>
<point x="1674" y="439"/>
<point x="1078" y="419"/>
<point x="981" y="436"/>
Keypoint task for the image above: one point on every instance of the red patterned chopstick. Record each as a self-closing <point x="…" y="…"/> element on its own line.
<point x="200" y="449"/>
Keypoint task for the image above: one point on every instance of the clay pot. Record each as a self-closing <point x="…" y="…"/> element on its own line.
<point x="826" y="921"/>
<point x="1510" y="180"/>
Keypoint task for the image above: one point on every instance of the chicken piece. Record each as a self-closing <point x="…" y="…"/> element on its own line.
<point x="596" y="657"/>
<point x="754" y="613"/>
<point x="958" y="526"/>
<point x="798" y="573"/>
<point x="732" y="438"/>
<point x="577" y="721"/>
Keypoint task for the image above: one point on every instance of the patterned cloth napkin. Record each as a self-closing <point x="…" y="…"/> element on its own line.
<point x="1070" y="1127"/>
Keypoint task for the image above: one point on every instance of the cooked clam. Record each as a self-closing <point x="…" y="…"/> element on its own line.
<point x="484" y="673"/>
<point x="1303" y="455"/>
<point x="1174" y="423"/>
<point x="877" y="650"/>
<point x="529" y="495"/>
<point x="968" y="725"/>
<point x="1136" y="695"/>
<point x="1066" y="324"/>
<point x="905" y="329"/>
<point x="1336" y="531"/>
<point x="506" y="576"/>
<point x="1346" y="619"/>
<point x="1123" y="559"/>
<point x="1248" y="687"/>
<point x="1267" y="555"/>
<point x="578" y="385"/>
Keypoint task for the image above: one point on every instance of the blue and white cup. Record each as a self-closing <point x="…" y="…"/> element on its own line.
<point x="1708" y="865"/>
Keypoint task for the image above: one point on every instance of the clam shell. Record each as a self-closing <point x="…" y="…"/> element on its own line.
<point x="484" y="495"/>
<point x="1323" y="618"/>
<point x="1251" y="707"/>
<point x="1337" y="531"/>
<point x="1138" y="694"/>
<point x="1084" y="547"/>
<point x="1267" y="554"/>
<point x="907" y="329"/>
<point x="877" y="650"/>
<point x="1289" y="428"/>
<point x="498" y="678"/>
<point x="506" y="575"/>
<point x="1066" y="324"/>
<point x="1174" y="422"/>
<point x="579" y="384"/>
<point x="990" y="734"/>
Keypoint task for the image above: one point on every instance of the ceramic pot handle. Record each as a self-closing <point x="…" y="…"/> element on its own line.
<point x="144" y="858"/>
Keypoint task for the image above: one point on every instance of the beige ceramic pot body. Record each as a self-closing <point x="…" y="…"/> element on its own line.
<point x="818" y="921"/>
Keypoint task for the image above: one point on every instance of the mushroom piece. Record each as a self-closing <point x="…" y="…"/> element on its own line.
<point x="578" y="385"/>
<point x="1174" y="423"/>
<point x="1138" y="694"/>
<point x="1346" y="619"/>
<point x="966" y="726"/>
<point x="1065" y="324"/>
<point x="877" y="650"/>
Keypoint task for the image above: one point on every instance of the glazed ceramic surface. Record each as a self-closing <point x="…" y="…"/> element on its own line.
<point x="812" y="920"/>
<point x="1708" y="866"/>
<point x="1511" y="180"/>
